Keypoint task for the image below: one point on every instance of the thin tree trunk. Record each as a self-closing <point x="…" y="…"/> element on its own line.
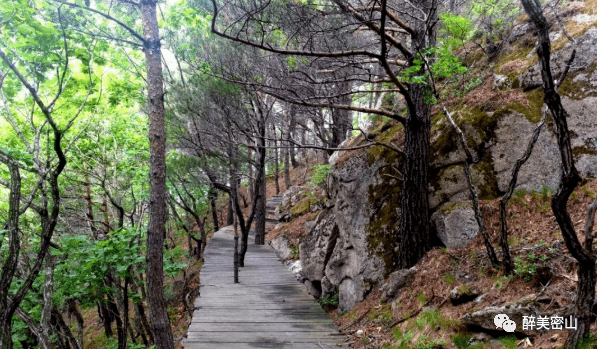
<point x="72" y="309"/>
<point x="276" y="162"/>
<point x="287" y="157"/>
<point x="230" y="216"/>
<point x="292" y="133"/>
<point x="160" y="323"/>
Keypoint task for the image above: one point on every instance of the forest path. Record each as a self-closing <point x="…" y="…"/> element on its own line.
<point x="269" y="308"/>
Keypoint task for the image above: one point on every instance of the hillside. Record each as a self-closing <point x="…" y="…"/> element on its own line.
<point x="342" y="230"/>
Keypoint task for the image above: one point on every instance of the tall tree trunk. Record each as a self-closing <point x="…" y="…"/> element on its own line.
<point x="230" y="213"/>
<point x="413" y="239"/>
<point x="569" y="180"/>
<point x="107" y="318"/>
<point x="341" y="118"/>
<point x="260" y="188"/>
<point x="73" y="311"/>
<point x="286" y="149"/>
<point x="213" y="198"/>
<point x="160" y="323"/>
<point x="292" y="133"/>
<point x="5" y="333"/>
<point x="276" y="162"/>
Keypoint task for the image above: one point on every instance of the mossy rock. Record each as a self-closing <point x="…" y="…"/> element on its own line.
<point x="382" y="230"/>
<point x="463" y="294"/>
<point x="302" y="207"/>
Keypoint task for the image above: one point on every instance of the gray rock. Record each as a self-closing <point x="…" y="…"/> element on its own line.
<point x="455" y="224"/>
<point x="512" y="136"/>
<point x="463" y="294"/>
<point x="317" y="247"/>
<point x="501" y="82"/>
<point x="326" y="287"/>
<point x="396" y="282"/>
<point x="484" y="318"/>
<point x="349" y="296"/>
<point x="281" y="247"/>
<point x="313" y="288"/>
<point x="586" y="53"/>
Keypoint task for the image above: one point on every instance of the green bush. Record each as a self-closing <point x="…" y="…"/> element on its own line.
<point x="330" y="300"/>
<point x="319" y="174"/>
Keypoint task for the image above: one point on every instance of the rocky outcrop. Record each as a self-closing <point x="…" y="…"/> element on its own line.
<point x="351" y="246"/>
<point x="338" y="247"/>
<point x="397" y="280"/>
<point x="455" y="224"/>
<point x="463" y="294"/>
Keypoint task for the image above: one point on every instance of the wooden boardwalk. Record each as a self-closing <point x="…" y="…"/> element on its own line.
<point x="269" y="308"/>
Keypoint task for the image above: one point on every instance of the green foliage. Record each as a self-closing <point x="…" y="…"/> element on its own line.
<point x="330" y="300"/>
<point x="461" y="340"/>
<point x="421" y="298"/>
<point x="457" y="30"/>
<point x="320" y="172"/>
<point x="588" y="192"/>
<point x="294" y="251"/>
<point x="588" y="342"/>
<point x="450" y="279"/>
<point x="495" y="17"/>
<point x="525" y="269"/>
<point x="520" y="193"/>
<point x="508" y="342"/>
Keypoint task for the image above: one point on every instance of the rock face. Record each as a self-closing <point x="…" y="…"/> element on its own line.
<point x="455" y="224"/>
<point x="338" y="248"/>
<point x="484" y="318"/>
<point x="463" y="294"/>
<point x="280" y="245"/>
<point x="396" y="282"/>
<point x="351" y="246"/>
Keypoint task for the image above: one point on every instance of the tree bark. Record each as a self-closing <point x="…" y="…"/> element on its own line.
<point x="292" y="133"/>
<point x="413" y="239"/>
<point x="276" y="162"/>
<point x="286" y="150"/>
<point x="160" y="323"/>
<point x="259" y="187"/>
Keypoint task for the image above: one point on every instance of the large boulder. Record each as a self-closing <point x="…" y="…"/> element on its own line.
<point x="586" y="53"/>
<point x="485" y="318"/>
<point x="397" y="280"/>
<point x="339" y="247"/>
<point x="315" y="249"/>
<point x="455" y="224"/>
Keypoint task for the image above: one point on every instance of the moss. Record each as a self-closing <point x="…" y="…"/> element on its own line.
<point x="386" y="135"/>
<point x="533" y="111"/>
<point x="451" y="206"/>
<point x="382" y="231"/>
<point x="581" y="88"/>
<point x="464" y="290"/>
<point x="302" y="207"/>
<point x="487" y="186"/>
<point x="520" y="53"/>
<point x="583" y="150"/>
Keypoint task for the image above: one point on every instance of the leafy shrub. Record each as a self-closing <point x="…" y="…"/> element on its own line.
<point x="457" y="30"/>
<point x="319" y="174"/>
<point x="330" y="300"/>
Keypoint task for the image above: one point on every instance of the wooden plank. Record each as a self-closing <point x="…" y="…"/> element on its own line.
<point x="268" y="309"/>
